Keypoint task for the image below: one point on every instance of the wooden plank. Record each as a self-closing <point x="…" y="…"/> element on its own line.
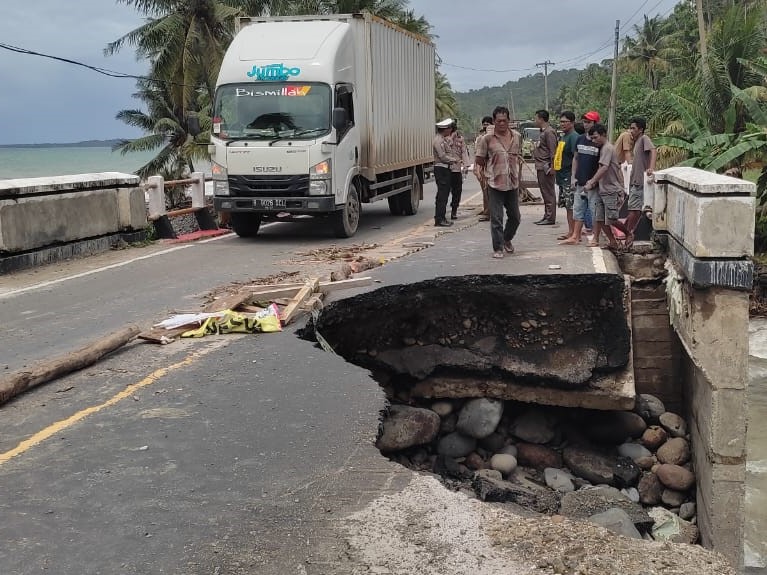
<point x="162" y="336"/>
<point x="304" y="294"/>
<point x="330" y="287"/>
<point x="18" y="382"/>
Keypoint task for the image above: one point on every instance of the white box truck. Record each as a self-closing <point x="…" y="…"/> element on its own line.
<point x="318" y="115"/>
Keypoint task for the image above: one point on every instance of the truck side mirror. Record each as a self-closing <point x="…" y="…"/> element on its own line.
<point x="340" y="119"/>
<point x="193" y="125"/>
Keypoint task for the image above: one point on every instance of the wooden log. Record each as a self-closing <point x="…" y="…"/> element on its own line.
<point x="19" y="381"/>
<point x="304" y="294"/>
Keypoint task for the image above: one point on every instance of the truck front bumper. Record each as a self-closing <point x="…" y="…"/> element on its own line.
<point x="302" y="205"/>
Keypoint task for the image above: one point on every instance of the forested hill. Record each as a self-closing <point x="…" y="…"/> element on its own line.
<point x="528" y="95"/>
<point x="85" y="144"/>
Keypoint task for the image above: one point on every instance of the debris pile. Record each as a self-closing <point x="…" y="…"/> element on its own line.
<point x="253" y="308"/>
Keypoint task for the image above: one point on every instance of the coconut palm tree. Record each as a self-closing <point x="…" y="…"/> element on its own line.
<point x="445" y="104"/>
<point x="646" y="51"/>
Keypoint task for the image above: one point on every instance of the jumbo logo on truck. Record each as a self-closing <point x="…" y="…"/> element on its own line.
<point x="273" y="72"/>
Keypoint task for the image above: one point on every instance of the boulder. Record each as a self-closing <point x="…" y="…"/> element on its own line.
<point x="592" y="465"/>
<point x="653" y="437"/>
<point x="493" y="442"/>
<point x="531" y="496"/>
<point x="558" y="480"/>
<point x="626" y="472"/>
<point x="670" y="527"/>
<point x="535" y="426"/>
<point x="537" y="456"/>
<point x="584" y="503"/>
<point x="503" y="463"/>
<point x="675" y="451"/>
<point x="407" y="426"/>
<point x="479" y="417"/>
<point x="456" y="445"/>
<point x="646" y="463"/>
<point x="442" y="408"/>
<point x="671" y="498"/>
<point x="617" y="521"/>
<point x="633" y="451"/>
<point x="649" y="407"/>
<point x="474" y="461"/>
<point x="673" y="424"/>
<point x="675" y="477"/>
<point x="687" y="511"/>
<point x="650" y="489"/>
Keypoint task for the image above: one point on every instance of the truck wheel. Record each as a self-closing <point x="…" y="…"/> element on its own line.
<point x="245" y="224"/>
<point x="395" y="207"/>
<point x="345" y="221"/>
<point x="409" y="201"/>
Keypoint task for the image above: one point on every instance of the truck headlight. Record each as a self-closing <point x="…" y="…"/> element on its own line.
<point x="220" y="181"/>
<point x="318" y="188"/>
<point x="319" y="178"/>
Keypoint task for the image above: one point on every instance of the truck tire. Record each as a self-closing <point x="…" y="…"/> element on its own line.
<point x="346" y="221"/>
<point x="395" y="207"/>
<point x="246" y="224"/>
<point x="409" y="201"/>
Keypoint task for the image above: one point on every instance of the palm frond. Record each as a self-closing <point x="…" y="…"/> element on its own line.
<point x="732" y="154"/>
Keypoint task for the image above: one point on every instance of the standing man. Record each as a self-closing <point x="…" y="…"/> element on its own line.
<point x="645" y="155"/>
<point x="564" y="174"/>
<point x="609" y="179"/>
<point x="459" y="149"/>
<point x="443" y="158"/>
<point x="543" y="154"/>
<point x="498" y="156"/>
<point x="484" y="215"/>
<point x="585" y="165"/>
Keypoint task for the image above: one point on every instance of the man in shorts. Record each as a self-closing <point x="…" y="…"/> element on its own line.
<point x="564" y="173"/>
<point x="585" y="165"/>
<point x="645" y="155"/>
<point x="609" y="180"/>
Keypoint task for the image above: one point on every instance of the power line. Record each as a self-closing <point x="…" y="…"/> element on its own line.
<point x="103" y="71"/>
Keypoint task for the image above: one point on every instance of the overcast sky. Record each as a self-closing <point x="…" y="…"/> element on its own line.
<point x="48" y="101"/>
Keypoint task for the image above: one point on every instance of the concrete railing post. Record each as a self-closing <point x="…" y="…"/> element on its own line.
<point x="156" y="192"/>
<point x="198" y="190"/>
<point x="709" y="219"/>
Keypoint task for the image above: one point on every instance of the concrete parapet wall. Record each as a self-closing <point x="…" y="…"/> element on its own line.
<point x="40" y="212"/>
<point x="710" y="222"/>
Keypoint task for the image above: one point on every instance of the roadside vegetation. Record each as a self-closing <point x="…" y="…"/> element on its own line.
<point x="183" y="43"/>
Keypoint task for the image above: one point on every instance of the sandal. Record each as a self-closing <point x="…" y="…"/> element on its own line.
<point x="593" y="244"/>
<point x="498" y="255"/>
<point x="508" y="247"/>
<point x="563" y="237"/>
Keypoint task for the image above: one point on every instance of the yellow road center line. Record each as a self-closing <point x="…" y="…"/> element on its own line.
<point x="59" y="426"/>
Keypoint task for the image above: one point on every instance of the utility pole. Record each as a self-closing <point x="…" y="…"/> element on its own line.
<point x="614" y="85"/>
<point x="701" y="29"/>
<point x="511" y="102"/>
<point x="545" y="65"/>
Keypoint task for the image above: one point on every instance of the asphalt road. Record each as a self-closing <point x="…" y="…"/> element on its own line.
<point x="214" y="456"/>
<point x="49" y="311"/>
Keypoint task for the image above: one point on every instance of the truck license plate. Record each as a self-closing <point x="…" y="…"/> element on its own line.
<point x="269" y="204"/>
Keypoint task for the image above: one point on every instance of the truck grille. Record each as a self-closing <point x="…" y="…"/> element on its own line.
<point x="269" y="186"/>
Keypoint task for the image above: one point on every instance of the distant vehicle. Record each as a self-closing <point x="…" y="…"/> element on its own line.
<point x="530" y="137"/>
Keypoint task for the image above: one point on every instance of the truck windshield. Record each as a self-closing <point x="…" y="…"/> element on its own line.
<point x="269" y="110"/>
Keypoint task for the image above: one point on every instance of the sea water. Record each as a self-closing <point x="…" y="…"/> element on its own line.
<point x="60" y="161"/>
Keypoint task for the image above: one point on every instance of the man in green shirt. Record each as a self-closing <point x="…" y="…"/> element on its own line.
<point x="564" y="174"/>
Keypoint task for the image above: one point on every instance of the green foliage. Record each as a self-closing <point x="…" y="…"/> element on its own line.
<point x="527" y="92"/>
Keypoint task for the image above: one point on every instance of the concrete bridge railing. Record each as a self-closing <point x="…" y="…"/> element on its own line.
<point x="709" y="222"/>
<point x="51" y="218"/>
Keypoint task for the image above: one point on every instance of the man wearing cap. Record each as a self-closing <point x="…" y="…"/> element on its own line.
<point x="543" y="154"/>
<point x="585" y="165"/>
<point x="443" y="158"/>
<point x="498" y="155"/>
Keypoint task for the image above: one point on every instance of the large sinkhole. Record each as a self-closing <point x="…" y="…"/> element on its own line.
<point x="519" y="389"/>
